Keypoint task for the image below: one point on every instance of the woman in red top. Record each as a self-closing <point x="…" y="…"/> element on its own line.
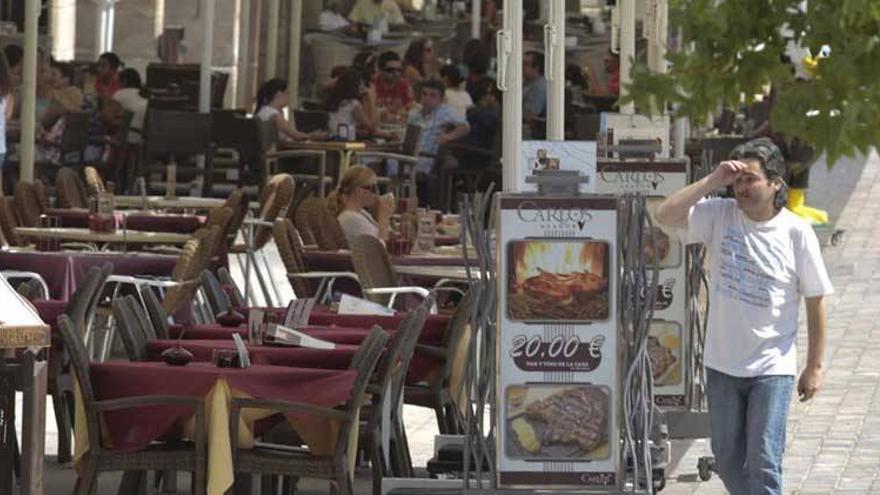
<point x="108" y="68"/>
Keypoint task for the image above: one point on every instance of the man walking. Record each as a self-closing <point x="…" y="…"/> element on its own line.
<point x="762" y="260"/>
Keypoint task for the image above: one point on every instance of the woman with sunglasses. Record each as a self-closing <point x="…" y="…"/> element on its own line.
<point x="359" y="191"/>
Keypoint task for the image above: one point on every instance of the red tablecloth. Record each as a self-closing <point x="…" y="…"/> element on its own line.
<point x="299" y="357"/>
<point x="322" y="316"/>
<point x="134" y="429"/>
<point x="64" y="270"/>
<point x="421" y="368"/>
<point x="178" y="224"/>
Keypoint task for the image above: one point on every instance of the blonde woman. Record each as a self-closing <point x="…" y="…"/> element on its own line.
<point x="359" y="190"/>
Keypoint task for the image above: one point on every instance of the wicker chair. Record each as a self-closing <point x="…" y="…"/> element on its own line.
<point x="27" y="204"/>
<point x="379" y="281"/>
<point x="221" y="217"/>
<point x="9" y="221"/>
<point x="130" y="331"/>
<point x="217" y="299"/>
<point x="314" y="216"/>
<point x="444" y="392"/>
<point x="94" y="183"/>
<point x="71" y="190"/>
<point x="301" y="219"/>
<point x="389" y="379"/>
<point x="236" y="298"/>
<point x="274" y="201"/>
<point x="290" y="248"/>
<point x="176" y="455"/>
<point x="42" y="195"/>
<point x="159" y="318"/>
<point x="238" y="202"/>
<point x="184" y="281"/>
<point x="269" y="459"/>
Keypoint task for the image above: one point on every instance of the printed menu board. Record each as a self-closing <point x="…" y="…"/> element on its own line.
<point x="668" y="338"/>
<point x="558" y="371"/>
<point x="539" y="156"/>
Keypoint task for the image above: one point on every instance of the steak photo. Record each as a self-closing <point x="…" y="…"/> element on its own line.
<point x="576" y="416"/>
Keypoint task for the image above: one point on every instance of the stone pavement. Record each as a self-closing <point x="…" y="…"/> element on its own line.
<point x="833" y="444"/>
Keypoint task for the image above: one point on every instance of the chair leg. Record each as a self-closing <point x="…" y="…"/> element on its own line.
<point x="169" y="481"/>
<point x="87" y="482"/>
<point x="62" y="420"/>
<point x="441" y="419"/>
<point x="288" y="485"/>
<point x="261" y="280"/>
<point x="133" y="482"/>
<point x="271" y="277"/>
<point x="402" y="449"/>
<point x="16" y="456"/>
<point x="377" y="462"/>
<point x="268" y="484"/>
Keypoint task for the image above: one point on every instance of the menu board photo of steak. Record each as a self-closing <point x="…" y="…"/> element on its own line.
<point x="659" y="244"/>
<point x="558" y="422"/>
<point x="557" y="280"/>
<point x="664" y="344"/>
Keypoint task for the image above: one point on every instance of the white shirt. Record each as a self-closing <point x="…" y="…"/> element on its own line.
<point x="131" y="100"/>
<point x="355" y="223"/>
<point x="758" y="273"/>
<point x="3" y="102"/>
<point x="267" y="112"/>
<point x="344" y="115"/>
<point x="331" y="21"/>
<point x="459" y="100"/>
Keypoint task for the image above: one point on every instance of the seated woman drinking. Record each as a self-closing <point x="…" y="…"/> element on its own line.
<point x="272" y="97"/>
<point x="358" y="191"/>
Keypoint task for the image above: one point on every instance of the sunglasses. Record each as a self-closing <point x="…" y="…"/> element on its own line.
<point x="373" y="188"/>
<point x="392" y="70"/>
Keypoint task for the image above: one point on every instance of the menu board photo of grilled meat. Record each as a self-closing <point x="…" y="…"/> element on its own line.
<point x="558" y="421"/>
<point x="658" y="243"/>
<point x="664" y="351"/>
<point x="557" y="280"/>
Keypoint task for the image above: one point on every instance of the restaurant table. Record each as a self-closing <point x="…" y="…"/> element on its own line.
<point x="142" y="221"/>
<point x="341" y="260"/>
<point x="63" y="270"/>
<point x="180" y="202"/>
<point x="422" y="367"/>
<point x="275" y="355"/>
<point x="123" y="237"/>
<point x="22" y="332"/>
<point x="134" y="429"/>
<point x="422" y="272"/>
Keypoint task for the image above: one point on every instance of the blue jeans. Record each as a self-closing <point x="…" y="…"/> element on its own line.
<point x="747" y="419"/>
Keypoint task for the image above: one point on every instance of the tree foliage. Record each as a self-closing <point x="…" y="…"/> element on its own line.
<point x="735" y="51"/>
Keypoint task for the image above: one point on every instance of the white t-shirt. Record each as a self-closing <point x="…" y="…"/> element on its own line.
<point x="355" y="223"/>
<point x="758" y="273"/>
<point x="344" y="115"/>
<point x="267" y="112"/>
<point x="131" y="100"/>
<point x="331" y="21"/>
<point x="459" y="100"/>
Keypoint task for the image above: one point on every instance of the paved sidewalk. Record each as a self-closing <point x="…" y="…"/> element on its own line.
<point x="833" y="444"/>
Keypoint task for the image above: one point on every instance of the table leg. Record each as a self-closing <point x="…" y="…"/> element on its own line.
<point x="7" y="429"/>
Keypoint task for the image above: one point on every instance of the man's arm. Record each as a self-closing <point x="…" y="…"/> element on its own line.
<point x="811" y="378"/>
<point x="673" y="211"/>
<point x="460" y="131"/>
